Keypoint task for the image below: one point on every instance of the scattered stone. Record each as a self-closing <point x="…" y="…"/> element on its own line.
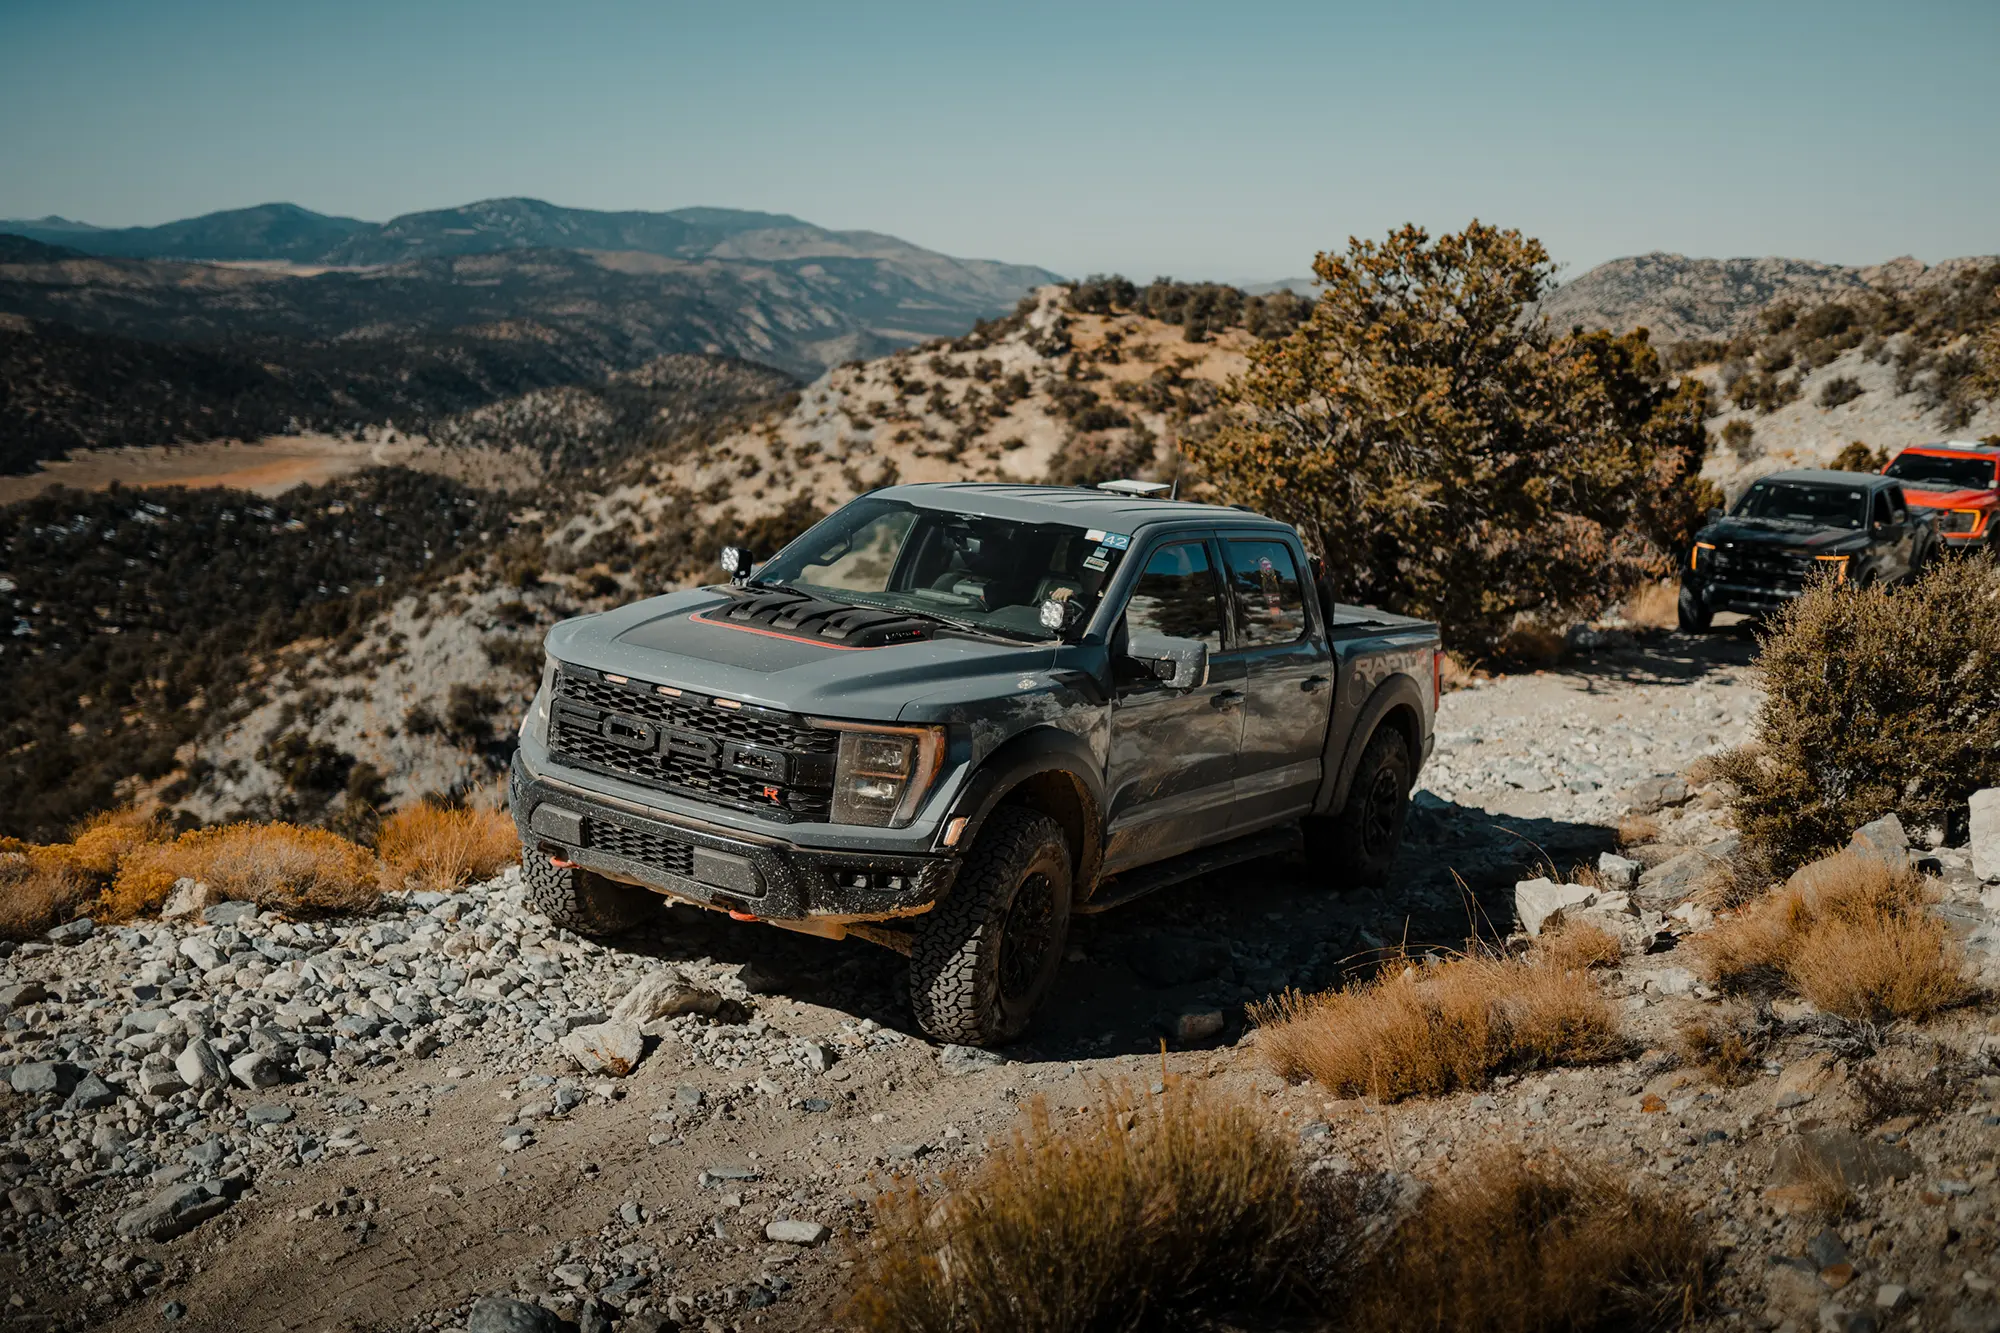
<point x="1801" y="1081"/>
<point x="960" y="1060"/>
<point x="160" y="1083"/>
<point x="267" y="1114"/>
<point x="730" y="1174"/>
<point x="1656" y="794"/>
<point x="1892" y="1296"/>
<point x="92" y="1094"/>
<point x="1883" y="839"/>
<point x="233" y="913"/>
<point x="613" y="1048"/>
<point x="502" y="1314"/>
<point x="256" y="1071"/>
<point x="1536" y="900"/>
<point x="664" y="994"/>
<point x="1674" y="879"/>
<point x="1809" y="1160"/>
<point x="29" y="1200"/>
<point x="795" y="1233"/>
<point x="187" y="897"/>
<point x="72" y="932"/>
<point x="1826" y="1248"/>
<point x="21" y="994"/>
<point x="1619" y="872"/>
<point x="172" y="1212"/>
<point x="688" y="1098"/>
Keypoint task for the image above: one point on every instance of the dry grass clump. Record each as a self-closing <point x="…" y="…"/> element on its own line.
<point x="1519" y="1244"/>
<point x="40" y="888"/>
<point x="1454" y="674"/>
<point x="1728" y="1048"/>
<point x="1655" y="606"/>
<point x="1852" y="934"/>
<point x="1426" y="1030"/>
<point x="44" y="885"/>
<point x="1636" y="829"/>
<point x="1147" y="1212"/>
<point x="278" y="866"/>
<point x="1576" y="945"/>
<point x="426" y="847"/>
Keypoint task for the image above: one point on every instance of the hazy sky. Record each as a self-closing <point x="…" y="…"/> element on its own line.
<point x="1223" y="139"/>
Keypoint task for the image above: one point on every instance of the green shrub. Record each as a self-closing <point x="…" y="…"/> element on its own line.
<point x="1840" y="389"/>
<point x="1741" y="438"/>
<point x="1877" y="701"/>
<point x="1858" y="457"/>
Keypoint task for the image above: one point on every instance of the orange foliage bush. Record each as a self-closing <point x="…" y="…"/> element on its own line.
<point x="426" y="847"/>
<point x="277" y="866"/>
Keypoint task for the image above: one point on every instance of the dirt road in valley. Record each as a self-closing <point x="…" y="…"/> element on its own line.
<point x="399" y="1187"/>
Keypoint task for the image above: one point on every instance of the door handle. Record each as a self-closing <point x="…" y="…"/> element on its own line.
<point x="1226" y="699"/>
<point x="1311" y="683"/>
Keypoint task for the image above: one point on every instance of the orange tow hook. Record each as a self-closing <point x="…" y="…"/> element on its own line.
<point x="735" y="915"/>
<point x="561" y="864"/>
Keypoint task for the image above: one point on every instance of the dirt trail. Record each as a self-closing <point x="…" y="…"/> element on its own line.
<point x="437" y="1211"/>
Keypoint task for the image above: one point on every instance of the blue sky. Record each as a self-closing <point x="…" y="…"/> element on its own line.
<point x="1200" y="140"/>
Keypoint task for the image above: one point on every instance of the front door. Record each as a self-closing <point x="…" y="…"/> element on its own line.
<point x="1173" y="752"/>
<point x="1290" y="688"/>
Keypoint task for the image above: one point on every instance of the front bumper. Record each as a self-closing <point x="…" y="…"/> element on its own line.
<point x="713" y="866"/>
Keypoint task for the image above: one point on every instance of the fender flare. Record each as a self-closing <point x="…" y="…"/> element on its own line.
<point x="1399" y="691"/>
<point x="1063" y="776"/>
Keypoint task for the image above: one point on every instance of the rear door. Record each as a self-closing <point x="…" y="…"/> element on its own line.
<point x="1283" y="649"/>
<point x="1172" y="765"/>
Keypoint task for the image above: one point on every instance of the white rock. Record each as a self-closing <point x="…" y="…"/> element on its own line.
<point x="664" y="994"/>
<point x="1619" y="872"/>
<point x="161" y="1082"/>
<point x="613" y="1048"/>
<point x="188" y="897"/>
<point x="795" y="1233"/>
<point x="201" y="1066"/>
<point x="1985" y="846"/>
<point x="201" y="953"/>
<point x="253" y="1070"/>
<point x="1535" y="900"/>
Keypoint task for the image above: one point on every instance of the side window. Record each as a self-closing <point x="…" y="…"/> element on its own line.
<point x="1176" y="596"/>
<point x="1897" y="507"/>
<point x="1881" y="511"/>
<point x="1270" y="606"/>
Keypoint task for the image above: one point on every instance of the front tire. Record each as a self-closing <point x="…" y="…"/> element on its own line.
<point x="578" y="900"/>
<point x="985" y="957"/>
<point x="1694" y="615"/>
<point x="1363" y="838"/>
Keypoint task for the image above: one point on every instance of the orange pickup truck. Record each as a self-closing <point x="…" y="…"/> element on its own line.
<point x="1959" y="481"/>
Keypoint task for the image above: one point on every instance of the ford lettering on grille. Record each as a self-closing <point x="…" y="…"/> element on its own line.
<point x="754" y="759"/>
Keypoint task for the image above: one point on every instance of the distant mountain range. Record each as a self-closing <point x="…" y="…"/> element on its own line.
<point x="1679" y="298"/>
<point x="144" y="335"/>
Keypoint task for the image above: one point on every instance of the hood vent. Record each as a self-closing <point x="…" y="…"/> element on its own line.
<point x="799" y="616"/>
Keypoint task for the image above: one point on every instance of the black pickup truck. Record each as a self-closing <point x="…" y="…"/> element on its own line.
<point x="949" y="716"/>
<point x="1793" y="527"/>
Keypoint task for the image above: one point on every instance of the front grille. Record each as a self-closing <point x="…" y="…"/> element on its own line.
<point x="1765" y="565"/>
<point x="755" y="759"/>
<point x="650" y="849"/>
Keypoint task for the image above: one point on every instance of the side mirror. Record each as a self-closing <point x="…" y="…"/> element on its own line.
<point x="1180" y="664"/>
<point x="737" y="562"/>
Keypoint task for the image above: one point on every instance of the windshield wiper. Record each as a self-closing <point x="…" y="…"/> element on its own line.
<point x="971" y="626"/>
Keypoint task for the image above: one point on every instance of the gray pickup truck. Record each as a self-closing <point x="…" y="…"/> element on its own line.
<point x="948" y="717"/>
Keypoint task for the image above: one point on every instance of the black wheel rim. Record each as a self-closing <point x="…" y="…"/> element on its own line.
<point x="1026" y="936"/>
<point x="1379" y="817"/>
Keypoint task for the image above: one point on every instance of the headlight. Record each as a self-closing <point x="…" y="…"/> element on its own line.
<point x="535" y="726"/>
<point x="1694" y="556"/>
<point x="880" y="774"/>
<point x="1961" y="520"/>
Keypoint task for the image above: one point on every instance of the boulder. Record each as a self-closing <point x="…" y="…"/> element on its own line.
<point x="255" y="1070"/>
<point x="501" y="1314"/>
<point x="1197" y="1025"/>
<point x="157" y="1083"/>
<point x="201" y="952"/>
<point x="72" y="932"/>
<point x="187" y="897"/>
<point x="21" y="994"/>
<point x="1805" y="1162"/>
<point x="664" y="994"/>
<point x="1656" y="794"/>
<point x="230" y="913"/>
<point x="92" y="1094"/>
<point x="172" y="1212"/>
<point x="1985" y="846"/>
<point x="958" y="1061"/>
<point x="613" y="1048"/>
<point x="201" y="1066"/>
<point x="1619" y="872"/>
<point x="1883" y="839"/>
<point x="1536" y="900"/>
<point x="44" y="1077"/>
<point x="1674" y="879"/>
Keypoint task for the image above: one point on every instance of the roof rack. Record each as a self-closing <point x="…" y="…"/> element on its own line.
<point x="1126" y="486"/>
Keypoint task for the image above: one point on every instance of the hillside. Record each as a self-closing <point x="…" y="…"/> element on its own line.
<point x="1679" y="298"/>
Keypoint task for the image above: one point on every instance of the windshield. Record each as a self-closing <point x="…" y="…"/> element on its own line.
<point x="1932" y="473"/>
<point x="1804" y="502"/>
<point x="986" y="573"/>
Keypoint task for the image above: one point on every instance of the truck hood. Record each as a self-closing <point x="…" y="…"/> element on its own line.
<point x="661" y="642"/>
<point x="1784" y="534"/>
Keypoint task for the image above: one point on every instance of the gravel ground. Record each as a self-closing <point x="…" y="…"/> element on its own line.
<point x="396" y="1116"/>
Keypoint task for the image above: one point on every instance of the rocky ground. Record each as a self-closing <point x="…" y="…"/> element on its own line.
<point x="237" y="1121"/>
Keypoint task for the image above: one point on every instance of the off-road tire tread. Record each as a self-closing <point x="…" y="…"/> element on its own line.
<point x="1698" y="623"/>
<point x="950" y="941"/>
<point x="1339" y="836"/>
<point x="578" y="900"/>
